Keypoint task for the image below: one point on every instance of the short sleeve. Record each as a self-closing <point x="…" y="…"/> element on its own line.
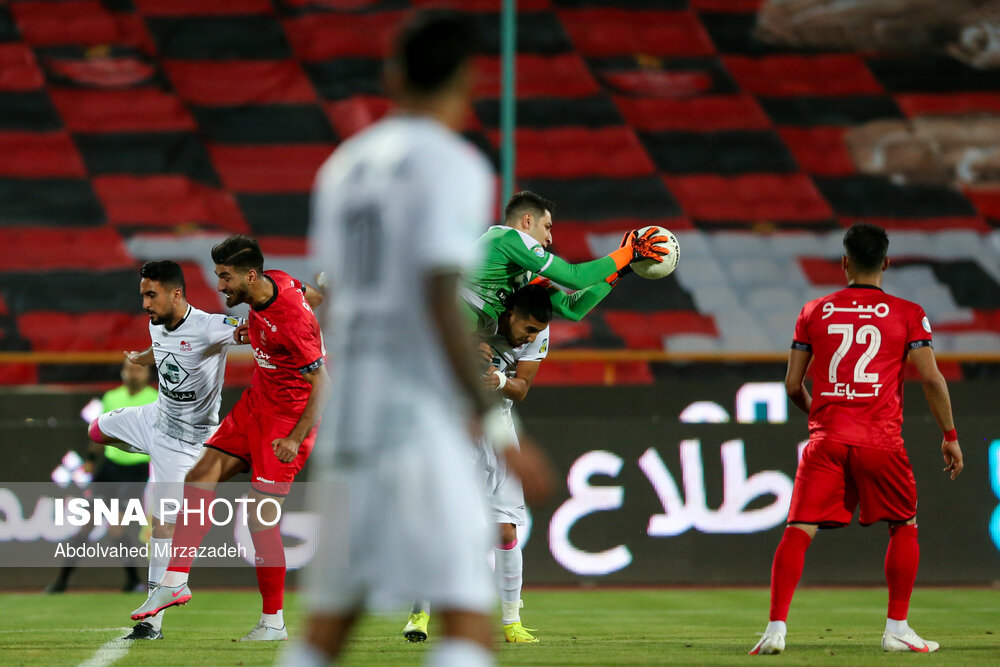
<point x="801" y="340"/>
<point x="457" y="207"/>
<point x="220" y="330"/>
<point x="536" y="350"/>
<point x="918" y="329"/>
<point x="304" y="344"/>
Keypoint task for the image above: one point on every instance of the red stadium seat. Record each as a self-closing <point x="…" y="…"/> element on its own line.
<point x="269" y="168"/>
<point x="85" y="331"/>
<point x="927" y="224"/>
<point x="563" y="333"/>
<point x="919" y="104"/>
<point x="46" y="249"/>
<point x="239" y="82"/>
<point x="751" y="197"/>
<point x="40" y="155"/>
<point x="820" y="271"/>
<point x="132" y="110"/>
<point x="576" y="152"/>
<point x="18" y="68"/>
<point x="986" y="201"/>
<point x="738" y="6"/>
<point x="793" y="75"/>
<point x="645" y="331"/>
<point x="200" y="293"/>
<point x="14" y="374"/>
<point x="319" y="37"/>
<point x="563" y="75"/>
<point x="202" y="8"/>
<point x="79" y="23"/>
<point x="356" y="113"/>
<point x="704" y="113"/>
<point x="167" y="201"/>
<point x="613" y="32"/>
<point x="553" y="372"/>
<point x="819" y="150"/>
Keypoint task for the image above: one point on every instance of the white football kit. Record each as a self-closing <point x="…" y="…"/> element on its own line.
<point x="394" y="205"/>
<point x="191" y="365"/>
<point x="503" y="493"/>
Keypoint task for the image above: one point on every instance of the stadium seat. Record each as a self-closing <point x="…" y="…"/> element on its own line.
<point x="278" y="168"/>
<point x="647" y="330"/>
<point x="85" y="331"/>
<point x="793" y="75"/>
<point x="167" y="201"/>
<point x="18" y="68"/>
<point x="39" y="154"/>
<point x="623" y="32"/>
<point x="695" y="114"/>
<point x="571" y="152"/>
<point x="222" y="83"/>
<point x="131" y="110"/>
<point x="80" y="23"/>
<point x="819" y="150"/>
<point x="40" y="249"/>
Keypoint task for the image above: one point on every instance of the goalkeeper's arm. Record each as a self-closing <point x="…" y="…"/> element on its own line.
<point x="574" y="306"/>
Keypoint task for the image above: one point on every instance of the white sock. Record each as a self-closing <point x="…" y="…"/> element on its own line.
<point x="273" y="620"/>
<point x="303" y="654"/>
<point x="451" y="652"/>
<point x="155" y="621"/>
<point x="776" y="628"/>
<point x="896" y="627"/>
<point x="173" y="579"/>
<point x="159" y="558"/>
<point x="509" y="565"/>
<point x="421" y="606"/>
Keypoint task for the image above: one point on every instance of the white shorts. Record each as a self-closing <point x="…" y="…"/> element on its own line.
<point x="416" y="528"/>
<point x="502" y="491"/>
<point x="171" y="458"/>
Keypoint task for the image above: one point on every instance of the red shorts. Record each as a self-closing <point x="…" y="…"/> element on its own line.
<point x="247" y="434"/>
<point x="833" y="479"/>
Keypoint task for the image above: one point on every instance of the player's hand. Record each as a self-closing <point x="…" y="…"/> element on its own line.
<point x="144" y="358"/>
<point x="952" y="457"/>
<point x="616" y="277"/>
<point x="644" y="247"/>
<point x="541" y="280"/>
<point x="486" y="353"/>
<point x="490" y="379"/>
<point x="242" y="334"/>
<point x="533" y="469"/>
<point x="286" y="449"/>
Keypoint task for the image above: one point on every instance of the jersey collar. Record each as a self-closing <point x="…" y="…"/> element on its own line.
<point x="183" y="320"/>
<point x="865" y="287"/>
<point x="273" y="296"/>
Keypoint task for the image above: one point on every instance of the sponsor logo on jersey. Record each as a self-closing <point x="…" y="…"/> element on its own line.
<point x="258" y="478"/>
<point x="268" y="323"/>
<point x="544" y="347"/>
<point x="263" y="359"/>
<point x="231" y="321"/>
<point x="185" y="346"/>
<point x="179" y="396"/>
<point x="926" y="324"/>
<point x="539" y="251"/>
<point x="171" y="371"/>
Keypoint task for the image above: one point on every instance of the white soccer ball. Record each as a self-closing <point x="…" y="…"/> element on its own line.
<point x="653" y="270"/>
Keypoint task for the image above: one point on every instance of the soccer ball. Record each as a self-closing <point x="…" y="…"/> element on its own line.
<point x="648" y="268"/>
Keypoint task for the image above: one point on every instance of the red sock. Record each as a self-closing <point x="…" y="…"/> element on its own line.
<point x="191" y="527"/>
<point x="270" y="564"/>
<point x="789" y="559"/>
<point x="901" y="560"/>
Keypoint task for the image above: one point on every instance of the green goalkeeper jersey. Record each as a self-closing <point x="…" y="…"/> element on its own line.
<point x="510" y="259"/>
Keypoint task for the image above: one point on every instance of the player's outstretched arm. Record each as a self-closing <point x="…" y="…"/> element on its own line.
<point x="144" y="358"/>
<point x="287" y="448"/>
<point x="574" y="306"/>
<point x="314" y="297"/>
<point x="936" y="393"/>
<point x="795" y="387"/>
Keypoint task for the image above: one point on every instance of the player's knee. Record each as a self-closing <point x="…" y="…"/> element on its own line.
<point x="508" y="533"/>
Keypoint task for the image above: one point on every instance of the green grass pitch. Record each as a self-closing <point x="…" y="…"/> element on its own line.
<point x="593" y="627"/>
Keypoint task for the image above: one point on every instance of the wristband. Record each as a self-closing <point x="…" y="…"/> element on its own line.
<point x="503" y="379"/>
<point x="496" y="429"/>
<point x="951" y="436"/>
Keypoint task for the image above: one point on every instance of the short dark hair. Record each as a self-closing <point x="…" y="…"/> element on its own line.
<point x="532" y="300"/>
<point x="165" y="272"/>
<point x="432" y="47"/>
<point x="866" y="245"/>
<point x="240" y="252"/>
<point x="526" y="202"/>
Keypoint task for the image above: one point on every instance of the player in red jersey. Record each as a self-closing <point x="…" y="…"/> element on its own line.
<point x="858" y="339"/>
<point x="269" y="432"/>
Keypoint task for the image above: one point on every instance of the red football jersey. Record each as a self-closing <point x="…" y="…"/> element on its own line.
<point x="859" y="337"/>
<point x="286" y="342"/>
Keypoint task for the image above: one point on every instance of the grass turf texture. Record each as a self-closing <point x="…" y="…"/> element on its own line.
<point x="609" y="627"/>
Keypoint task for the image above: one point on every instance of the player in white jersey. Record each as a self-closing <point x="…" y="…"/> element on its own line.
<point x="513" y="353"/>
<point x="396" y="212"/>
<point x="188" y="349"/>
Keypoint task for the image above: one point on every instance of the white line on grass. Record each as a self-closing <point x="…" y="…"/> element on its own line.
<point x="109" y="653"/>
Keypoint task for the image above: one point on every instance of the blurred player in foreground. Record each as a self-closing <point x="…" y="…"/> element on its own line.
<point x="513" y="355"/>
<point x="858" y="339"/>
<point x="397" y="210"/>
<point x="188" y="348"/>
<point x="269" y="432"/>
<point x="126" y="470"/>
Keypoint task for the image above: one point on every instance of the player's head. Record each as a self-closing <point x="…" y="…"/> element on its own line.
<point x="161" y="285"/>
<point x="532" y="214"/>
<point x="134" y="376"/>
<point x="529" y="311"/>
<point x="238" y="263"/>
<point x="430" y="69"/>
<point x="865" y="248"/>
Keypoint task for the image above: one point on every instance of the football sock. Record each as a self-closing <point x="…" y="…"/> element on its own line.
<point x="190" y="530"/>
<point x="789" y="559"/>
<point x="901" y="560"/>
<point x="421" y="606"/>
<point x="450" y="652"/>
<point x="155" y="621"/>
<point x="509" y="564"/>
<point x="158" y="558"/>
<point x="275" y="620"/>
<point x="303" y="654"/>
<point x="776" y="628"/>
<point x="270" y="565"/>
<point x="896" y="627"/>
